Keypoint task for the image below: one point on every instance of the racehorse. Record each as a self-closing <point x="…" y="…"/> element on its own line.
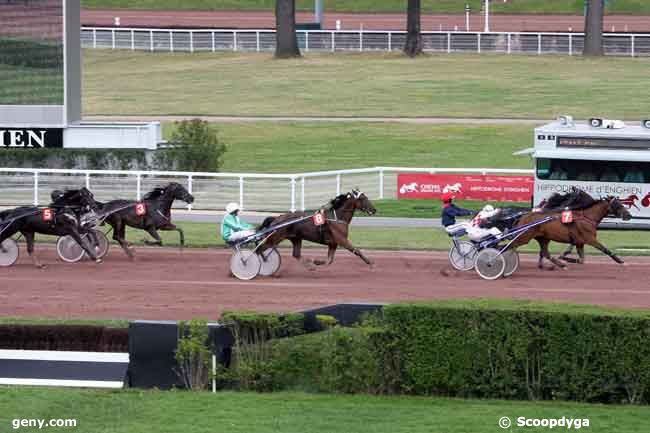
<point x="587" y="213"/>
<point x="61" y="219"/>
<point x="337" y="216"/>
<point x="154" y="210"/>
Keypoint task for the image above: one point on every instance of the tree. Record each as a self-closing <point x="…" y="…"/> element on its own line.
<point x="286" y="44"/>
<point x="413" y="45"/>
<point x="194" y="147"/>
<point x="594" y="28"/>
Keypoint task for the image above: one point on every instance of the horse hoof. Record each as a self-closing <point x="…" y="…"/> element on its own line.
<point x="98" y="260"/>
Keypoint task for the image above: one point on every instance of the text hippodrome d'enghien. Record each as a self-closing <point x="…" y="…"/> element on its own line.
<point x="22" y="138"/>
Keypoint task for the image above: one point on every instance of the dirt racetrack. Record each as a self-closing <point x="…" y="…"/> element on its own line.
<point x="172" y="284"/>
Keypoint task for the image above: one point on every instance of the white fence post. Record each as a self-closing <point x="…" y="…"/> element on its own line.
<point x="94" y="38"/>
<point x="234" y="42"/>
<point x="132" y="40"/>
<point x="381" y="184"/>
<point x="539" y="44"/>
<point x="448" y="43"/>
<point x="390" y="41"/>
<point x="509" y="43"/>
<point x="189" y="189"/>
<point x="151" y="40"/>
<point x="293" y="194"/>
<point x="213" y="43"/>
<point x="171" y="41"/>
<point x="632" y="46"/>
<point x="87" y="180"/>
<point x="191" y="41"/>
<point x="113" y="39"/>
<point x="302" y="193"/>
<point x="478" y="42"/>
<point x="333" y="42"/>
<point x="307" y="41"/>
<point x="241" y="192"/>
<point x="257" y="41"/>
<point x="361" y="40"/>
<point x="338" y="184"/>
<point x="138" y="186"/>
<point x="570" y="44"/>
<point x="36" y="188"/>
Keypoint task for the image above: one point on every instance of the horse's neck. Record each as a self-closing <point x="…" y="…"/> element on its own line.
<point x="346" y="212"/>
<point x="598" y="211"/>
<point x="165" y="202"/>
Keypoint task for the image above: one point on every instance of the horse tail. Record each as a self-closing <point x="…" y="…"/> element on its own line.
<point x="267" y="222"/>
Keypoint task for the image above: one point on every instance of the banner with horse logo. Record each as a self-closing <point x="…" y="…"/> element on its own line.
<point x="473" y="187"/>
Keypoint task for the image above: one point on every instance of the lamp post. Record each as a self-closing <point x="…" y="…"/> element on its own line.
<point x="467" y="18"/>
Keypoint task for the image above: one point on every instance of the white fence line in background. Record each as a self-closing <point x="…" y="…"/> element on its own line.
<point x="255" y="191"/>
<point x="201" y="40"/>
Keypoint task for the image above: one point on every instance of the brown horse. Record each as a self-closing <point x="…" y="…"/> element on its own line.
<point x="580" y="232"/>
<point x="337" y="216"/>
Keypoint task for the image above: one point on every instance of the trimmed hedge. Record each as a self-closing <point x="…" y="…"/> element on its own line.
<point x="508" y="352"/>
<point x="64" y="337"/>
<point x="31" y="54"/>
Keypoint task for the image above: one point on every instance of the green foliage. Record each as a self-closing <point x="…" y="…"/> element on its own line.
<point x="31" y="54"/>
<point x="193" y="354"/>
<point x="195" y="147"/>
<point x="325" y="321"/>
<point x="93" y="159"/>
<point x="523" y="354"/>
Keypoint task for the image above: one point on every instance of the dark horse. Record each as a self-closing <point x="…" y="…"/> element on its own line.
<point x="157" y="214"/>
<point x="334" y="232"/>
<point x="587" y="214"/>
<point x="64" y="211"/>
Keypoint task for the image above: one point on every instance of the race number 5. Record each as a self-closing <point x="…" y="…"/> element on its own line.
<point x="140" y="209"/>
<point x="48" y="215"/>
<point x="318" y="219"/>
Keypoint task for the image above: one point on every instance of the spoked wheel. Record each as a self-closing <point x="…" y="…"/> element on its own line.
<point x="489" y="264"/>
<point x="512" y="262"/>
<point x="462" y="255"/>
<point x="271" y="262"/>
<point x="245" y="264"/>
<point x="69" y="250"/>
<point x="101" y="247"/>
<point x="8" y="252"/>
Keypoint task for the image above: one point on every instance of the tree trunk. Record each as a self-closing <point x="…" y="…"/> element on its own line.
<point x="286" y="41"/>
<point x="594" y="29"/>
<point x="413" y="45"/>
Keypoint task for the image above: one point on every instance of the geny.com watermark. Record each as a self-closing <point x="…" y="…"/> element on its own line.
<point x="550" y="423"/>
<point x="42" y="423"/>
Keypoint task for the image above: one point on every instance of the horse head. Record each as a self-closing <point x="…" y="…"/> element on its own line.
<point x="362" y="202"/>
<point x="178" y="192"/>
<point x="616" y="209"/>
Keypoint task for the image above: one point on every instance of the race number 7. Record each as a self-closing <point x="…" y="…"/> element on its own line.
<point x="318" y="219"/>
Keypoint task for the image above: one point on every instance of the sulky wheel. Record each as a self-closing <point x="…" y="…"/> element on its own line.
<point x="489" y="264"/>
<point x="512" y="262"/>
<point x="271" y="262"/>
<point x="245" y="264"/>
<point x="8" y="252"/>
<point x="101" y="248"/>
<point x="68" y="249"/>
<point x="462" y="255"/>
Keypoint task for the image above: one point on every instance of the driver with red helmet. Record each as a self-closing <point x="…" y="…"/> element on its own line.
<point x="449" y="210"/>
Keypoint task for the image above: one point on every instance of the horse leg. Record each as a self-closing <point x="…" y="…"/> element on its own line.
<point x="297" y="247"/>
<point x="84" y="245"/>
<point x="581" y="253"/>
<point x="29" y="239"/>
<point x="543" y="244"/>
<point x="331" y="250"/>
<point x="178" y="229"/>
<point x="154" y="234"/>
<point x="345" y="243"/>
<point x="119" y="236"/>
<point x="594" y="243"/>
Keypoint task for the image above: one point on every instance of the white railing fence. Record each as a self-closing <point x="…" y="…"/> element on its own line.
<point x="255" y="192"/>
<point x="202" y="40"/>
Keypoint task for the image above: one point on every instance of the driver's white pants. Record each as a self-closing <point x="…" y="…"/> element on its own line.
<point x="234" y="237"/>
<point x="478" y="233"/>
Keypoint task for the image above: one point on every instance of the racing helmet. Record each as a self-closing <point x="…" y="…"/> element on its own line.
<point x="232" y="207"/>
<point x="488" y="208"/>
<point x="448" y="197"/>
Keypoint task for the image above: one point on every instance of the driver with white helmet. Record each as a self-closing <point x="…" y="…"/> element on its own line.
<point x="476" y="232"/>
<point x="232" y="227"/>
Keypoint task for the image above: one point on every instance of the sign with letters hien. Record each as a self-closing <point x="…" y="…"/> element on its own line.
<point x="30" y="138"/>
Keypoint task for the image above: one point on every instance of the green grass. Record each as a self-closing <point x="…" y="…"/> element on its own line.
<point x="30" y="86"/>
<point x="173" y="412"/>
<point x="428" y="6"/>
<point x="137" y="83"/>
<point x="286" y="147"/>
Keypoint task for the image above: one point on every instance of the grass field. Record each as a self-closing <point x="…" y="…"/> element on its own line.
<point x="541" y="87"/>
<point x="173" y="412"/>
<point x="30" y="86"/>
<point x="288" y="147"/>
<point x="428" y="6"/>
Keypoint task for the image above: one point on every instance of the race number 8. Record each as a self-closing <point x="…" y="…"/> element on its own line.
<point x="318" y="219"/>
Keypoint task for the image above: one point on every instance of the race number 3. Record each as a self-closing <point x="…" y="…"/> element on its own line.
<point x="318" y="219"/>
<point x="567" y="217"/>
<point x="140" y="209"/>
<point x="48" y="215"/>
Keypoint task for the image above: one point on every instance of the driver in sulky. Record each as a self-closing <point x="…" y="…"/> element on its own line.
<point x="234" y="228"/>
